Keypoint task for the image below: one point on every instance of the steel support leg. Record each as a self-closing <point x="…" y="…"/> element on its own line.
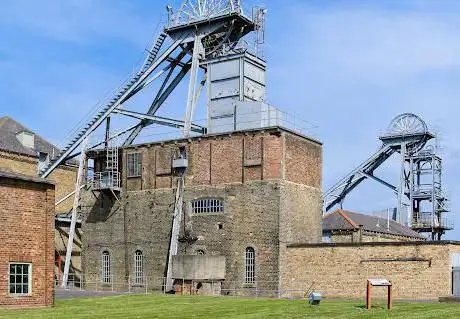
<point x="191" y="101"/>
<point x="73" y="221"/>
<point x="402" y="181"/>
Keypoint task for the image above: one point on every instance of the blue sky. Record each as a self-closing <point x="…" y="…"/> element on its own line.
<point x="347" y="67"/>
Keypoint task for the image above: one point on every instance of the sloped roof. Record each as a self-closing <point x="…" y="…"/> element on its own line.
<point x="6" y="173"/>
<point x="346" y="220"/>
<point x="9" y="142"/>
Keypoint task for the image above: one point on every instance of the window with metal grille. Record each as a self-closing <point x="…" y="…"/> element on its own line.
<point x="106" y="276"/>
<point x="134" y="164"/>
<point x="20" y="279"/>
<point x="138" y="268"/>
<point x="250" y="266"/>
<point x="200" y="252"/>
<point x="208" y="205"/>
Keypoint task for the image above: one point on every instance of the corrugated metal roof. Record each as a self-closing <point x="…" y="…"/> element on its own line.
<point x="346" y="220"/>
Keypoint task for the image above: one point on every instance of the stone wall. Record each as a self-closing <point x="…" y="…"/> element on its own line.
<point x="143" y="221"/>
<point x="300" y="213"/>
<point x="418" y="270"/>
<point x="27" y="233"/>
<point x="198" y="267"/>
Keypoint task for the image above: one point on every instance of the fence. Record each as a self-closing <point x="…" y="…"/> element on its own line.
<point x="259" y="289"/>
<point x="156" y="285"/>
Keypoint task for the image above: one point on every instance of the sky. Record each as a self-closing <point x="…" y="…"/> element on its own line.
<point x="345" y="67"/>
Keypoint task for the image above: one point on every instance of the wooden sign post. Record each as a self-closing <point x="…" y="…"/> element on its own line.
<point x="378" y="283"/>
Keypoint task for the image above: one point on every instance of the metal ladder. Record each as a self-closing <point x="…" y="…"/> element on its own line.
<point x="46" y="170"/>
<point x="112" y="165"/>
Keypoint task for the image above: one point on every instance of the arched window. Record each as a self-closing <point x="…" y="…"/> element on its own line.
<point x="208" y="205"/>
<point x="138" y="268"/>
<point x="106" y="267"/>
<point x="250" y="266"/>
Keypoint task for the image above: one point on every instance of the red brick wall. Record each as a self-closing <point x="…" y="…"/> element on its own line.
<point x="303" y="160"/>
<point x="230" y="158"/>
<point x="27" y="235"/>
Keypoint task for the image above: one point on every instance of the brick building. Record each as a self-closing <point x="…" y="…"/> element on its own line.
<point x="247" y="193"/>
<point x="22" y="151"/>
<point x="27" y="249"/>
<point x="348" y="227"/>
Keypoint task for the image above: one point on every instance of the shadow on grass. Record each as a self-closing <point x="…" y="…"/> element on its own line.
<point x="372" y="307"/>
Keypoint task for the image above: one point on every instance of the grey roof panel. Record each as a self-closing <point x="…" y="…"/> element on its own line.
<point x="9" y="142"/>
<point x="335" y="221"/>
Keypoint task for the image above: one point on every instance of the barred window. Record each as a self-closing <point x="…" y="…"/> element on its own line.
<point x="200" y="252"/>
<point x="138" y="268"/>
<point x="208" y="205"/>
<point x="250" y="265"/>
<point x="134" y="164"/>
<point x="106" y="267"/>
<point x="20" y="279"/>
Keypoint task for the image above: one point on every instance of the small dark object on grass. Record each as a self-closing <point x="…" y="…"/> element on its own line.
<point x="314" y="298"/>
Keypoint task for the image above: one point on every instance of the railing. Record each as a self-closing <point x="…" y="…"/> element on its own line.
<point x="183" y="18"/>
<point x="245" y="120"/>
<point x="426" y="220"/>
<point x="156" y="285"/>
<point x="105" y="180"/>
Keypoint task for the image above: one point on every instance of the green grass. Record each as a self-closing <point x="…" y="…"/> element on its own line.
<point x="147" y="306"/>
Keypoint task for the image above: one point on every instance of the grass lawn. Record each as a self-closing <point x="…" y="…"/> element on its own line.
<point x="147" y="306"/>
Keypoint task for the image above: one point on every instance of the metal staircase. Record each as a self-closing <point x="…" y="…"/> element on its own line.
<point x="116" y="101"/>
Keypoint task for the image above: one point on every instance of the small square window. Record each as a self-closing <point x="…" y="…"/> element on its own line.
<point x="20" y="279"/>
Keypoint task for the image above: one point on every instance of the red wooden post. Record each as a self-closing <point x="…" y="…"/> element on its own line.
<point x="59" y="269"/>
<point x="390" y="297"/>
<point x="368" y="295"/>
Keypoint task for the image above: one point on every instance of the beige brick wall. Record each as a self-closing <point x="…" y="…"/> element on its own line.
<point x="360" y="236"/>
<point x="63" y="177"/>
<point x="342" y="270"/>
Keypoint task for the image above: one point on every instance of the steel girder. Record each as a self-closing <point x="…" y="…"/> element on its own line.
<point x="340" y="190"/>
<point x="161" y="120"/>
<point x="138" y="81"/>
